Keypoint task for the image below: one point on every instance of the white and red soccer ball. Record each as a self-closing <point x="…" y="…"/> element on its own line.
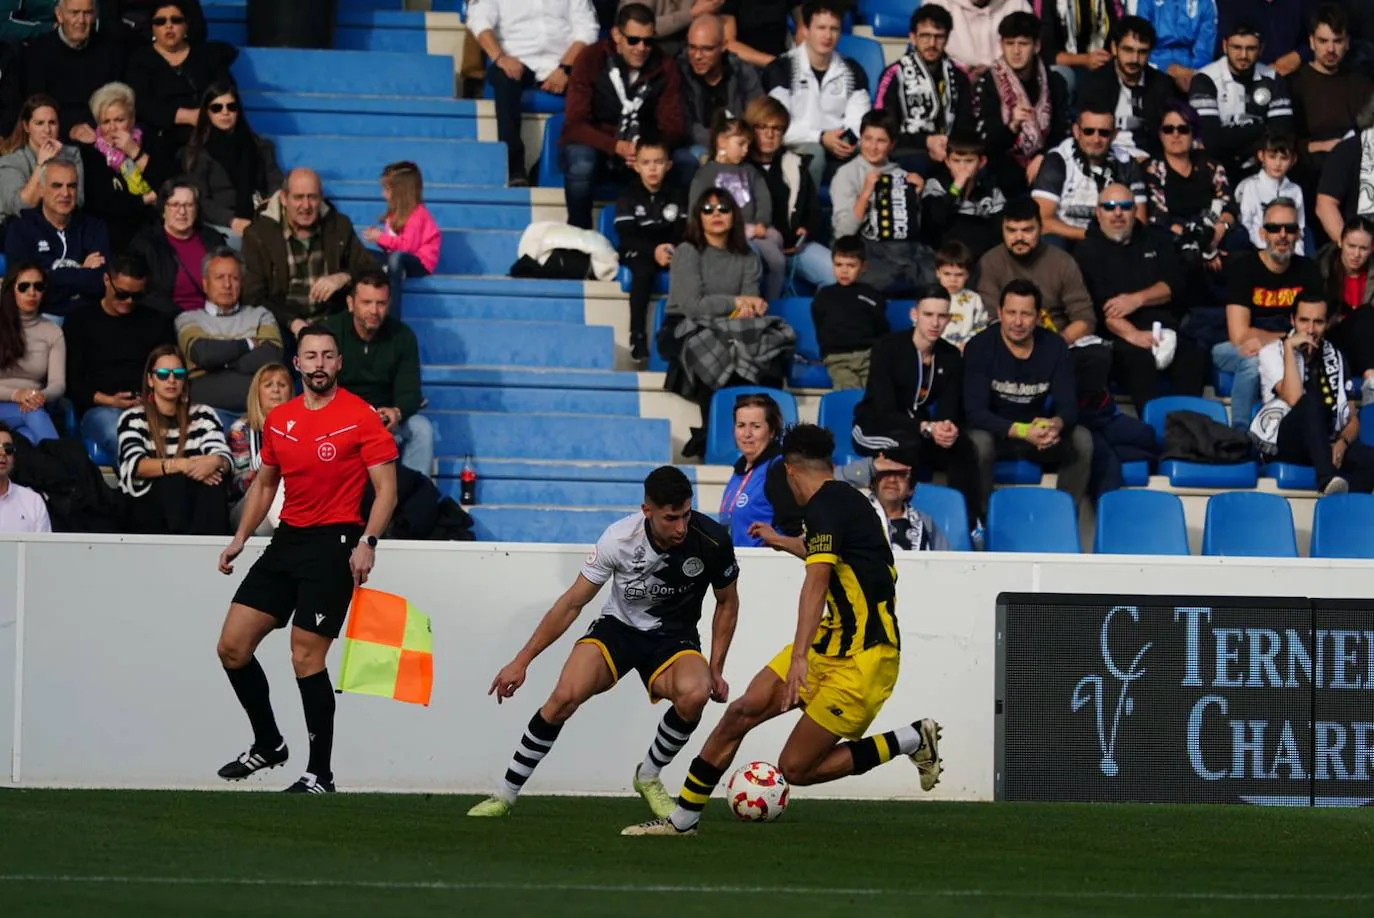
<point x="757" y="792"/>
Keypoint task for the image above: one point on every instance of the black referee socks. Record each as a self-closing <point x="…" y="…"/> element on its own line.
<point x="250" y="685"/>
<point x="317" y="699"/>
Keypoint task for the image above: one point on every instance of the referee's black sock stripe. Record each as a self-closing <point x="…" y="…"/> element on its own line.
<point x="317" y="700"/>
<point x="250" y="685"/>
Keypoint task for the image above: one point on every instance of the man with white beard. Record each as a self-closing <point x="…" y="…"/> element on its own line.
<point x="1131" y="275"/>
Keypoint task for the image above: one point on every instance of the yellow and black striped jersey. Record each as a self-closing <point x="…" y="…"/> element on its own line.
<point x="842" y="531"/>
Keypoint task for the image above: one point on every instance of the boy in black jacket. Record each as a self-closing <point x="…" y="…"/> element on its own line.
<point x="650" y="218"/>
<point x="961" y="200"/>
<point x="849" y="317"/>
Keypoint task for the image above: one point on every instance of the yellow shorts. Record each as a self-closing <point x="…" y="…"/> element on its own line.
<point x="845" y="694"/>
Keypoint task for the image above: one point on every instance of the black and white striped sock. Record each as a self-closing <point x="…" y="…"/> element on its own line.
<point x="673" y="734"/>
<point x="534" y="745"/>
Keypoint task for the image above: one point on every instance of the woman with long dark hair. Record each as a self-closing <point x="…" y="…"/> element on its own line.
<point x="717" y="332"/>
<point x="169" y="74"/>
<point x="33" y="355"/>
<point x="1350" y="298"/>
<point x="233" y="168"/>
<point x="173" y="460"/>
<point x="35" y="140"/>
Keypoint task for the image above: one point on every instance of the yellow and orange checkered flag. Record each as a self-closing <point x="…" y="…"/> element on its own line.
<point x="388" y="649"/>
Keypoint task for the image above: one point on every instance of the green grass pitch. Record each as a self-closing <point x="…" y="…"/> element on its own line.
<point x="117" y="853"/>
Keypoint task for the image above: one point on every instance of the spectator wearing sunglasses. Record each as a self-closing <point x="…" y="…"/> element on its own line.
<point x="1074" y="174"/>
<point x="1190" y="195"/>
<point x="173" y="460"/>
<point x="226" y="342"/>
<point x="33" y="355"/>
<point x="70" y="246"/>
<point x="21" y="509"/>
<point x="107" y="344"/>
<point x="1262" y="289"/>
<point x="233" y="169"/>
<point x="175" y="249"/>
<point x="170" y="74"/>
<point x="621" y="89"/>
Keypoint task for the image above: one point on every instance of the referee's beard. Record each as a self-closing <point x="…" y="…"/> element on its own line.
<point x="321" y="382"/>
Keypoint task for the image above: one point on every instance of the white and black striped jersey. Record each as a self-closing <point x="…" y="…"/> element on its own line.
<point x="653" y="590"/>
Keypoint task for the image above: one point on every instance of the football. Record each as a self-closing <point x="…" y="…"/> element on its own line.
<point x="757" y="792"/>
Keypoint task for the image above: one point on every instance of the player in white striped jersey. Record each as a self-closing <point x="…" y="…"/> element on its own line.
<point x="660" y="563"/>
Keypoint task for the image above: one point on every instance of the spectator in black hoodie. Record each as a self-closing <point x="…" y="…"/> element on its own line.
<point x="1135" y="280"/>
<point x="650" y="217"/>
<point x="912" y="408"/>
<point x="1019" y="398"/>
<point x="70" y="63"/>
<point x="69" y="246"/>
<point x="796" y="205"/>
<point x="961" y="201"/>
<point x="849" y="316"/>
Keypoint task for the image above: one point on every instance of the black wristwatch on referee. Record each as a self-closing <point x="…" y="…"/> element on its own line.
<point x="370" y="541"/>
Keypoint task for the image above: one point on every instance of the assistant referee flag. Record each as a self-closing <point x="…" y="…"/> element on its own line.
<point x="388" y="649"/>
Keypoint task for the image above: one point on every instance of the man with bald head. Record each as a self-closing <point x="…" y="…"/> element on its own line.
<point x="299" y="255"/>
<point x="1132" y="276"/>
<point x="713" y="81"/>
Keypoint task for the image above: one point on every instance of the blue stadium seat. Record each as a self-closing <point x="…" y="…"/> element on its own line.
<point x="867" y="53"/>
<point x="899" y="314"/>
<point x="1140" y="523"/>
<point x="1135" y="474"/>
<point x="605" y="225"/>
<point x="1343" y="527"/>
<point x="1017" y="472"/>
<point x="837" y="416"/>
<point x="946" y="506"/>
<point x="1032" y="520"/>
<point x="550" y="172"/>
<point x="720" y="438"/>
<point x="1291" y="477"/>
<point x="657" y="362"/>
<point x="1249" y="524"/>
<point x="1184" y="474"/>
<point x="807" y="371"/>
<point x="534" y="101"/>
<point x="1367" y="424"/>
<point x="1222" y="382"/>
<point x="889" y="18"/>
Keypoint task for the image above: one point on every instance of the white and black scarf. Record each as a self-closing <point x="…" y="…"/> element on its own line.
<point x="928" y="104"/>
<point x="1101" y="24"/>
<point x="1366" y="200"/>
<point x="1327" y="385"/>
<point x="632" y="101"/>
<point x="908" y="532"/>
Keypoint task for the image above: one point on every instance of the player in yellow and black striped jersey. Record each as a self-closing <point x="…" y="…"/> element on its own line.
<point x="843" y="662"/>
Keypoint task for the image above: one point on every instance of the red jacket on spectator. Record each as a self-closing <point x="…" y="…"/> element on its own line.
<point x="593" y="114"/>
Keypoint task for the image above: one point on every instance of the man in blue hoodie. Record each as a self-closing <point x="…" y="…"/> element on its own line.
<point x="69" y="246"/>
<point x="1187" y="36"/>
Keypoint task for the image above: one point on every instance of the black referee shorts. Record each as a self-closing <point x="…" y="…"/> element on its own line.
<point x="648" y="653"/>
<point x="304" y="571"/>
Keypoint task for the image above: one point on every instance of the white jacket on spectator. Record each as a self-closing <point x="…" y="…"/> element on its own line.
<point x="540" y="239"/>
<point x="840" y="102"/>
<point x="536" y="32"/>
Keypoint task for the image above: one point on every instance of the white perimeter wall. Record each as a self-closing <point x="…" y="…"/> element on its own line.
<point x="108" y="674"/>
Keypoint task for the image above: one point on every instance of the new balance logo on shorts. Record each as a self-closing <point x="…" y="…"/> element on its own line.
<point x="319" y="618"/>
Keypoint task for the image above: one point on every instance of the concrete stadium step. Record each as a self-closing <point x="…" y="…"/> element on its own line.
<point x="533" y="401"/>
<point x="515" y="344"/>
<point x="478" y="251"/>
<point x="565" y="525"/>
<point x="570" y="310"/>
<point x="273" y="113"/>
<point x="510" y="217"/>
<point x="499" y="285"/>
<point x="526" y="377"/>
<point x="376" y="73"/>
<point x="577" y="437"/>
<point x="380" y="30"/>
<point x="342" y="158"/>
<point x="536" y="493"/>
<point x="523" y="469"/>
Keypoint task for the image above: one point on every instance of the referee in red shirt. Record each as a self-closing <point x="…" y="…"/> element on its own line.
<point x="325" y="444"/>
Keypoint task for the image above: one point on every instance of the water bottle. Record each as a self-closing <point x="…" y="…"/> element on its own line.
<point x="978" y="537"/>
<point x="468" y="480"/>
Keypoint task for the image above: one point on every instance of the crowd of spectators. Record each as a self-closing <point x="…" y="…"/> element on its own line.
<point x="160" y="264"/>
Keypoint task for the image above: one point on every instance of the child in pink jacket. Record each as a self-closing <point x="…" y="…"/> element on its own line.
<point x="408" y="233"/>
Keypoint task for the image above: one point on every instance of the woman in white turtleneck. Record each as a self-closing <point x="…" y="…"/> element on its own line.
<point x="33" y="355"/>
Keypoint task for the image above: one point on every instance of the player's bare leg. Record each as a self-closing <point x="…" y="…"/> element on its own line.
<point x="308" y="655"/>
<point x="761" y="702"/>
<point x="686" y="682"/>
<point x="585" y="674"/>
<point x="242" y="632"/>
<point x="814" y="755"/>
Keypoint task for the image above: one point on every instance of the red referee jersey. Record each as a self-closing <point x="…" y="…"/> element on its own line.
<point x="324" y="456"/>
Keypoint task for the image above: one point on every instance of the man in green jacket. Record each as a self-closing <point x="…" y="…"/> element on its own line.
<point x="381" y="365"/>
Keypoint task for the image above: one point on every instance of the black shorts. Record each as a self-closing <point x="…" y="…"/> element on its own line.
<point x="648" y="653"/>
<point x="304" y="571"/>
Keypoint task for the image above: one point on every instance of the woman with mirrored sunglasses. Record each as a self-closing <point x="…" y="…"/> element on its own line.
<point x="234" y="169"/>
<point x="174" y="462"/>
<point x="33" y="355"/>
<point x="169" y="74"/>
